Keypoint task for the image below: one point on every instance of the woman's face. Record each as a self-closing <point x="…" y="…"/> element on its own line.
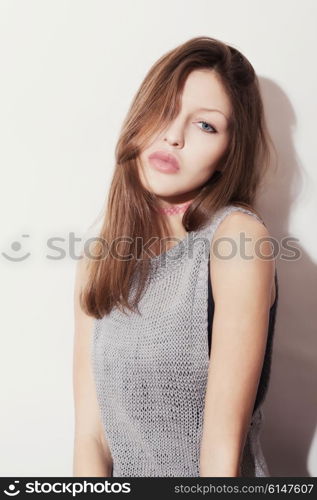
<point x="197" y="138"/>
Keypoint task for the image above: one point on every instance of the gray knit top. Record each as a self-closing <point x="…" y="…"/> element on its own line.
<point x="151" y="369"/>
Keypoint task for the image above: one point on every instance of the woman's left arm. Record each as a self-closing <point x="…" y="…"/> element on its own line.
<point x="242" y="289"/>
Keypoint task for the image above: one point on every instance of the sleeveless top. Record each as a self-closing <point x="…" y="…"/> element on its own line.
<point x="151" y="369"/>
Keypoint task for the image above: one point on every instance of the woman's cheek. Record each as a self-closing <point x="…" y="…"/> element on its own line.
<point x="197" y="177"/>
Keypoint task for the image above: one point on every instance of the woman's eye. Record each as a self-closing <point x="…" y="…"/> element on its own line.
<point x="205" y="129"/>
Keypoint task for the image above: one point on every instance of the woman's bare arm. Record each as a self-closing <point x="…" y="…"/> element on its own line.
<point x="92" y="457"/>
<point x="242" y="290"/>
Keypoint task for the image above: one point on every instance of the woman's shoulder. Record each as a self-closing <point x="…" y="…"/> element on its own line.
<point x="232" y="219"/>
<point x="242" y="252"/>
<point x="242" y="241"/>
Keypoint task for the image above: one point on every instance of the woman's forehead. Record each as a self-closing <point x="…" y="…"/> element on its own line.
<point x="204" y="89"/>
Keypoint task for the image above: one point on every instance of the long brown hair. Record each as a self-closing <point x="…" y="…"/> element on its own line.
<point x="131" y="210"/>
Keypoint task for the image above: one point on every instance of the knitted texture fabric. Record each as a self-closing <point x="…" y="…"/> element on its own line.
<point x="151" y="370"/>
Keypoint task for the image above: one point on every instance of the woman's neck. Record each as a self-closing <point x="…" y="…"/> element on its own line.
<point x="174" y="208"/>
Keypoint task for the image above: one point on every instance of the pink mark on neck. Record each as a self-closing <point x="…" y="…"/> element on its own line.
<point x="174" y="209"/>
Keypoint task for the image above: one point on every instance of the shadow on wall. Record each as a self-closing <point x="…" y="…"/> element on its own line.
<point x="291" y="402"/>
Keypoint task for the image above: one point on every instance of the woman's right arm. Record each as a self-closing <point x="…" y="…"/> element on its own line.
<point x="92" y="457"/>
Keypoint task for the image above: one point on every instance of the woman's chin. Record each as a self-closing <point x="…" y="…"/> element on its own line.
<point x="163" y="192"/>
<point x="164" y="188"/>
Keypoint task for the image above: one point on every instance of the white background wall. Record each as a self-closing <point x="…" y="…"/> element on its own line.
<point x="68" y="72"/>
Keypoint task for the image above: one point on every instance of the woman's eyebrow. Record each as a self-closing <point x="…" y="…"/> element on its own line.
<point x="212" y="109"/>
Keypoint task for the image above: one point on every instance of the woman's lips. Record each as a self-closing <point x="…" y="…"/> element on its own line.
<point x="164" y="162"/>
<point x="163" y="166"/>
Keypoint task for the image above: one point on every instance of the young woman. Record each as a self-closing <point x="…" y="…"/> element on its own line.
<point x="173" y="341"/>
